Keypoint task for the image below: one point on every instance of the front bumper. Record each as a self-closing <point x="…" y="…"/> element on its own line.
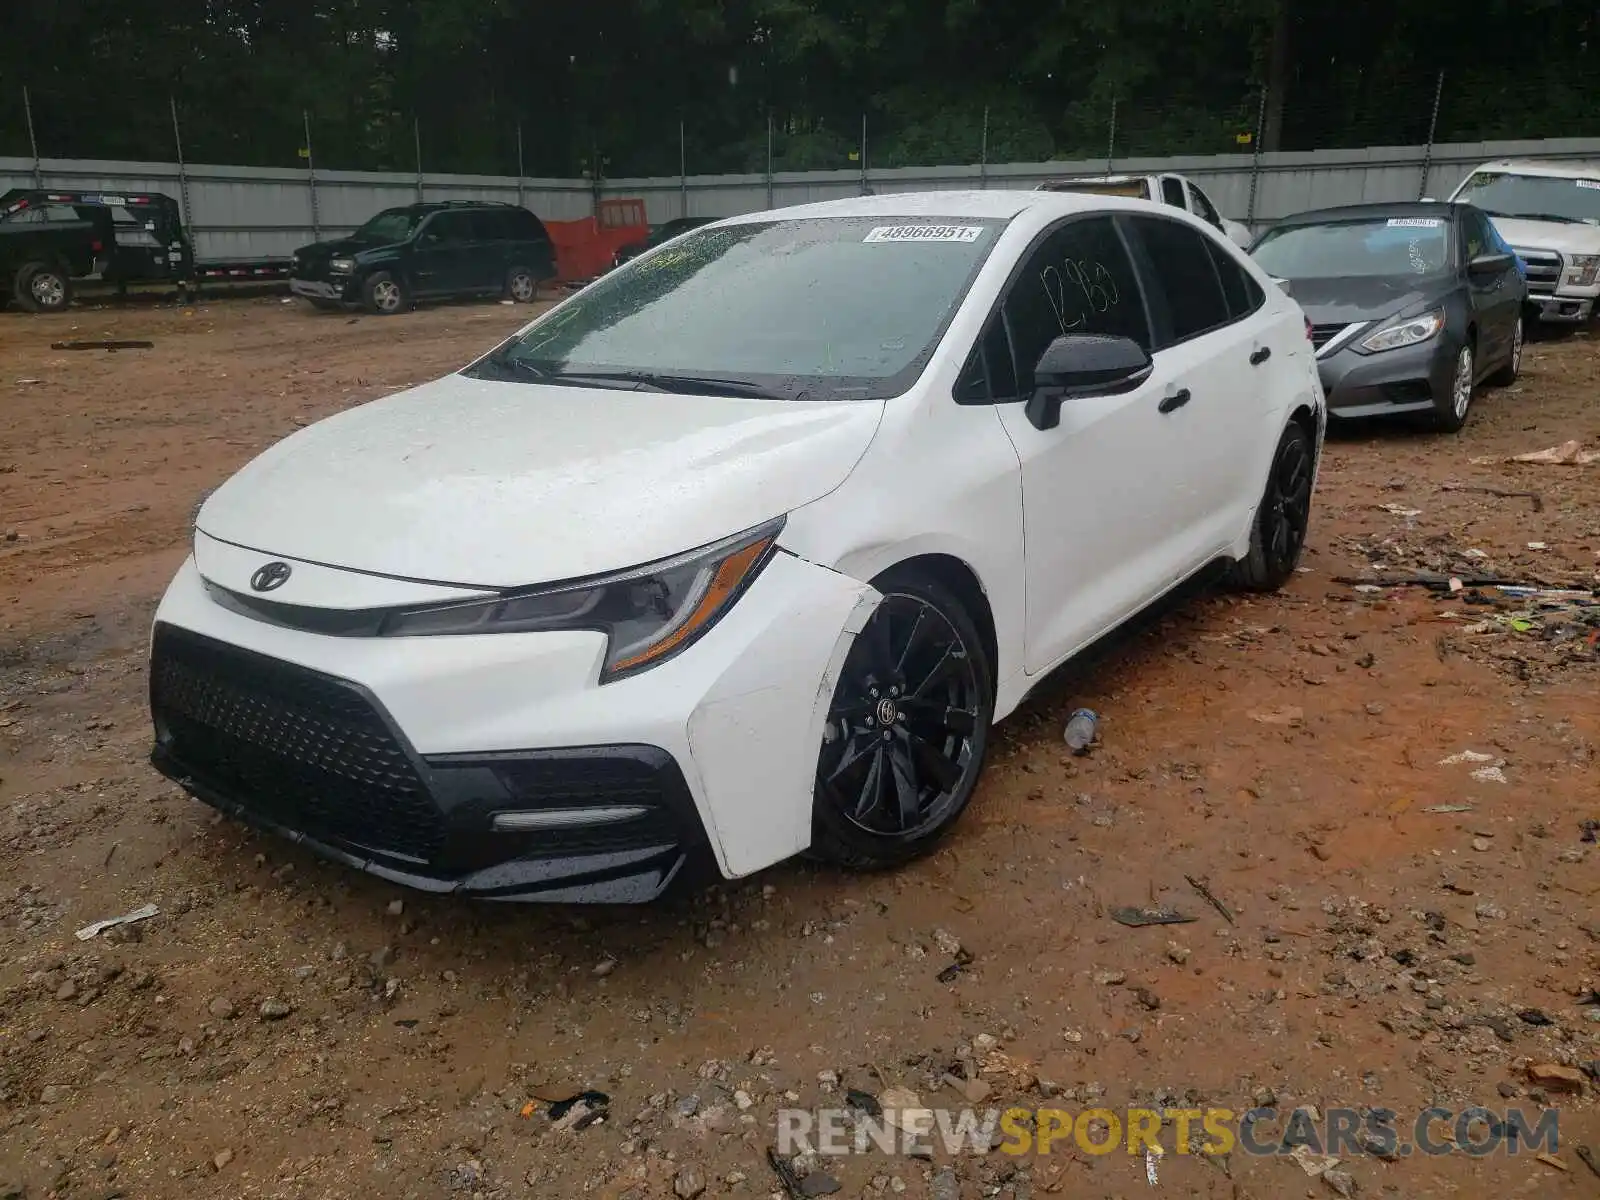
<point x="321" y="289"/>
<point x="1562" y="310"/>
<point x="1393" y="382"/>
<point x="397" y="755"/>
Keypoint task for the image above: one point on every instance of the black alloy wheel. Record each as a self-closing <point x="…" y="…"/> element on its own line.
<point x="906" y="731"/>
<point x="1279" y="535"/>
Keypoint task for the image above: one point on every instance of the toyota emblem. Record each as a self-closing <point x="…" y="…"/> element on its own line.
<point x="270" y="577"/>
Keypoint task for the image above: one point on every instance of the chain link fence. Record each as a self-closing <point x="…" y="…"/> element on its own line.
<point x="1348" y="110"/>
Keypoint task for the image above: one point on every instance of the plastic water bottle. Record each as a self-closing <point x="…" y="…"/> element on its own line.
<point x="1080" y="730"/>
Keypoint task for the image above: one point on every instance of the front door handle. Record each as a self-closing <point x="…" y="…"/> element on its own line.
<point x="1175" y="401"/>
<point x="1260" y="356"/>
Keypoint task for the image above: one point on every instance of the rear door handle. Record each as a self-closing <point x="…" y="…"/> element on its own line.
<point x="1260" y="356"/>
<point x="1175" y="401"/>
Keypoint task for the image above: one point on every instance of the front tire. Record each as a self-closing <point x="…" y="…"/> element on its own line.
<point x="42" y="287"/>
<point x="906" y="732"/>
<point x="1451" y="413"/>
<point x="1279" y="534"/>
<point x="383" y="294"/>
<point x="1507" y="375"/>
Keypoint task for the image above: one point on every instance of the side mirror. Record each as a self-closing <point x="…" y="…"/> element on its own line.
<point x="1488" y="264"/>
<point x="1084" y="364"/>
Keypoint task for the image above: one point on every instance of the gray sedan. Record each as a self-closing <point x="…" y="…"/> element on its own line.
<point x="1411" y="306"/>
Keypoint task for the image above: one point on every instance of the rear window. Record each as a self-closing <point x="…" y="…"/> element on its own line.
<point x="1134" y="188"/>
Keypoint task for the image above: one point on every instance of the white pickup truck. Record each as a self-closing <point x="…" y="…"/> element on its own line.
<point x="1175" y="190"/>
<point x="1549" y="213"/>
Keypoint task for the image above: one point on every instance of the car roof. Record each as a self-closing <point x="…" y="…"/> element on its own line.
<point x="1357" y="212"/>
<point x="991" y="204"/>
<point x="1578" y="169"/>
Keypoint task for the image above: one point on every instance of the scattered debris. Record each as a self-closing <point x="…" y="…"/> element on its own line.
<point x="593" y="1100"/>
<point x="143" y="913"/>
<point x="1588" y="1158"/>
<point x="1312" y="1163"/>
<point x="1138" y="917"/>
<point x="1399" y="510"/>
<point x="1533" y="498"/>
<point x="1550" y="1160"/>
<point x="1205" y="892"/>
<point x="1534" y="1016"/>
<point x="1082" y="727"/>
<point x="783" y="1168"/>
<point x="1567" y="454"/>
<point x="1589" y="831"/>
<point x="1288" y="715"/>
<point x="1466" y="756"/>
<point x="862" y="1102"/>
<point x="1556" y="1077"/>
<point x="1150" y="1161"/>
<point x="103" y="345"/>
<point x="1448" y="808"/>
<point x="902" y="1108"/>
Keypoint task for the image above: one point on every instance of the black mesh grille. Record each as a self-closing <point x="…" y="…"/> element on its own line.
<point x="1321" y="335"/>
<point x="302" y="749"/>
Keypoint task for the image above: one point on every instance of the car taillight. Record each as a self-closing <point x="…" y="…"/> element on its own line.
<point x="1310" y="337"/>
<point x="96" y="246"/>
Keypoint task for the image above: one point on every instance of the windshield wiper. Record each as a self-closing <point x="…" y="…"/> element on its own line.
<point x="1548" y="217"/>
<point x="664" y="381"/>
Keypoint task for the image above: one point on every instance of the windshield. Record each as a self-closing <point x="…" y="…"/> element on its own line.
<point x="829" y="308"/>
<point x="391" y="225"/>
<point x="1373" y="247"/>
<point x="1541" y="197"/>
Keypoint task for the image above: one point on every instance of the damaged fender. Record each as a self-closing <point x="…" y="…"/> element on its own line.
<point x="756" y="734"/>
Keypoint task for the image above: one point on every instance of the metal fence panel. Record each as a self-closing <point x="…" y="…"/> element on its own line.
<point x="258" y="212"/>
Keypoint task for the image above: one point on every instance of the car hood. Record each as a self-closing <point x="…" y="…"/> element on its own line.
<point x="1549" y="235"/>
<point x="346" y="247"/>
<point x="494" y="484"/>
<point x="1353" y="298"/>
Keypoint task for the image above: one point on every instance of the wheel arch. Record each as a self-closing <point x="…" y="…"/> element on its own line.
<point x="957" y="575"/>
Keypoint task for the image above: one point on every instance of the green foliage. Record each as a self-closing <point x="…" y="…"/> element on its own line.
<point x="378" y="77"/>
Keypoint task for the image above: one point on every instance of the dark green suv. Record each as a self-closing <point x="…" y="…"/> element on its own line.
<point x="428" y="251"/>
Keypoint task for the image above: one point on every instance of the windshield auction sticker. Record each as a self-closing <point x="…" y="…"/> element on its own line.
<point x="924" y="233"/>
<point x="1415" y="222"/>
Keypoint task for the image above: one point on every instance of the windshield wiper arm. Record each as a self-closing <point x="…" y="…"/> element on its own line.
<point x="666" y="381"/>
<point x="1548" y="217"/>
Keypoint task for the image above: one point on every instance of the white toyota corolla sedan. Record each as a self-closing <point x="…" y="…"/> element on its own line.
<point x="741" y="549"/>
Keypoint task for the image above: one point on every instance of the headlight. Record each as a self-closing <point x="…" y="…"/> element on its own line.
<point x="1406" y="333"/>
<point x="342" y="265"/>
<point x="1582" y="269"/>
<point x="648" y="614"/>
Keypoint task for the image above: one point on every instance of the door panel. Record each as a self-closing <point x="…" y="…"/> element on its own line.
<point x="442" y="259"/>
<point x="1214" y="340"/>
<point x="1095" y="523"/>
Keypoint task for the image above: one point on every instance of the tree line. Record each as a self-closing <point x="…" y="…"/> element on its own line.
<point x="607" y="86"/>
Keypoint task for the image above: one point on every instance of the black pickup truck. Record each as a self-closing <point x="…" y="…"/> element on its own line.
<point x="51" y="239"/>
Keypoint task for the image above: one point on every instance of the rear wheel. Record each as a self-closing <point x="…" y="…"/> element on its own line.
<point x="1279" y="534"/>
<point x="383" y="294"/>
<point x="1452" y="409"/>
<point x="1507" y="375"/>
<point x="906" y="731"/>
<point x="42" y="287"/>
<point x="522" y="285"/>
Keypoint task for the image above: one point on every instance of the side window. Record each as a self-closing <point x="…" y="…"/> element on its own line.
<point x="1181" y="267"/>
<point x="1476" y="235"/>
<point x="523" y="225"/>
<point x="1080" y="280"/>
<point x="989" y="376"/>
<point x="1203" y="207"/>
<point x="450" y="228"/>
<point x="491" y="225"/>
<point x="1172" y="191"/>
<point x="1242" y="292"/>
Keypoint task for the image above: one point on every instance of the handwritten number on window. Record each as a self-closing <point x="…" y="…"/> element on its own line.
<point x="1081" y="287"/>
